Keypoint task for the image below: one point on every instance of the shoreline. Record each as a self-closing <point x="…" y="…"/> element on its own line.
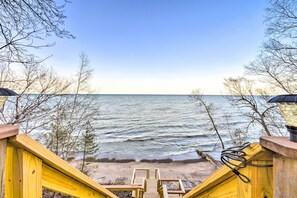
<point x="165" y="160"/>
<point x="119" y="172"/>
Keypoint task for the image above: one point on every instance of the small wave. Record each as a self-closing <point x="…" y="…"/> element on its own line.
<point x="162" y="109"/>
<point x="139" y="139"/>
<point x="182" y="136"/>
<point x="191" y="126"/>
<point x="111" y="140"/>
<point x="104" y="118"/>
<point x="169" y="137"/>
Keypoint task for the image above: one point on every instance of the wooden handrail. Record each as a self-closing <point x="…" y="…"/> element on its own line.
<point x="133" y="177"/>
<point x="157" y="173"/>
<point x="163" y="191"/>
<point x="122" y="187"/>
<point x="224" y="179"/>
<point x="181" y="189"/>
<point x="30" y="166"/>
<point x="6" y="131"/>
<point x="147" y="174"/>
<point x="136" y="188"/>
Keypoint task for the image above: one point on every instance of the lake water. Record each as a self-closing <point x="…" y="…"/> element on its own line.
<point x="160" y="126"/>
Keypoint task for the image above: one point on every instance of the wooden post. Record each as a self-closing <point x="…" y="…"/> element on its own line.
<point x="137" y="193"/>
<point x="3" y="145"/>
<point x="6" y="131"/>
<point x="284" y="165"/>
<point x="23" y="174"/>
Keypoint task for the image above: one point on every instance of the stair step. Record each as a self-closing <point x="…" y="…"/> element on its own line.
<point x="151" y="185"/>
<point x="174" y="196"/>
<point x="151" y="195"/>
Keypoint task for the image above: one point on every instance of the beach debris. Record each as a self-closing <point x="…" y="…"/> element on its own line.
<point x="209" y="158"/>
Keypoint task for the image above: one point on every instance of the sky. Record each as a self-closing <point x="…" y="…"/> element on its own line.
<point x="160" y="46"/>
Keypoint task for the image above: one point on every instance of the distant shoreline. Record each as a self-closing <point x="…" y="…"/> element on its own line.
<point x="120" y="172"/>
<point x="167" y="160"/>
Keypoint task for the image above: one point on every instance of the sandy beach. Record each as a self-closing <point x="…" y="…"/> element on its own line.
<point x="121" y="173"/>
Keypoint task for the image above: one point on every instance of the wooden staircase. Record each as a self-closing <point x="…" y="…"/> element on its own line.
<point x="151" y="188"/>
<point x="26" y="167"/>
<point x="155" y="187"/>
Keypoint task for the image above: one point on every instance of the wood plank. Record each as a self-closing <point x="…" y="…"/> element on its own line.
<point x="151" y="189"/>
<point x="284" y="172"/>
<point x="181" y="189"/>
<point x="59" y="182"/>
<point x="151" y="195"/>
<point x="151" y="185"/>
<point x="23" y="174"/>
<point x="157" y="173"/>
<point x="163" y="192"/>
<point x="261" y="181"/>
<point x="137" y="190"/>
<point x="3" y="145"/>
<point x="280" y="145"/>
<point x="223" y="190"/>
<point x="122" y="187"/>
<point x="138" y="181"/>
<point x="31" y="173"/>
<point x="254" y="152"/>
<point x="8" y="130"/>
<point x="55" y="162"/>
<point x="141" y="170"/>
<point x="13" y="175"/>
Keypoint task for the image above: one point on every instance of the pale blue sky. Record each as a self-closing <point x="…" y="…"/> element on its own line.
<point x="161" y="46"/>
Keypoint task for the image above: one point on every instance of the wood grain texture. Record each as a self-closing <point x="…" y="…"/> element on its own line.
<point x="3" y="145"/>
<point x="8" y="130"/>
<point x="254" y="152"/>
<point x="59" y="182"/>
<point x="31" y="173"/>
<point x="261" y="181"/>
<point x="22" y="175"/>
<point x="223" y="190"/>
<point x="280" y="145"/>
<point x="123" y="187"/>
<point x="284" y="172"/>
<point x="138" y="190"/>
<point x="56" y="163"/>
<point x="13" y="175"/>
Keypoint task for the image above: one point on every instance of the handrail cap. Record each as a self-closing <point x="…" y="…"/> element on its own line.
<point x="280" y="145"/>
<point x="7" y="130"/>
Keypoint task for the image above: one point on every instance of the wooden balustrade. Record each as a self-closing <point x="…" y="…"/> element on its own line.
<point x="284" y="165"/>
<point x="180" y="189"/>
<point x="278" y="180"/>
<point x="28" y="167"/>
<point x="157" y="173"/>
<point x="163" y="191"/>
<point x="6" y="131"/>
<point x="138" y="180"/>
<point x="224" y="183"/>
<point x="136" y="189"/>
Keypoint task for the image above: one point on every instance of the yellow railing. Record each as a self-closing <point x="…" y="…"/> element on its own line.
<point x="137" y="190"/>
<point x="137" y="180"/>
<point x="180" y="187"/>
<point x="224" y="183"/>
<point x="163" y="191"/>
<point x="28" y="167"/>
<point x="157" y="173"/>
